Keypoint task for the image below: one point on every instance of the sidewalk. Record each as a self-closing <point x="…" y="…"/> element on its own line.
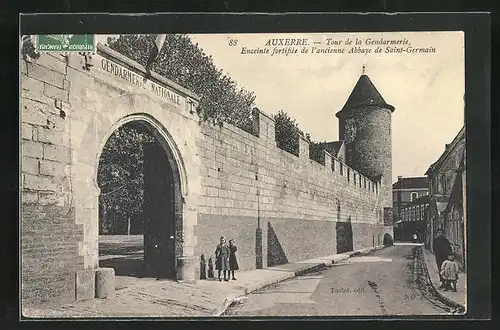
<point x="167" y="298"/>
<point x="458" y="297"/>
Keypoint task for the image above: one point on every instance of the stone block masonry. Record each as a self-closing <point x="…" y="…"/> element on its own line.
<point x="278" y="207"/>
<point x="49" y="234"/>
<point x="248" y="183"/>
<point x="69" y="107"/>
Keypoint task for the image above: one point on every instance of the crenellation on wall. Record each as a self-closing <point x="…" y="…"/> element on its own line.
<point x="328" y="160"/>
<point x="285" y="185"/>
<point x="303" y="148"/>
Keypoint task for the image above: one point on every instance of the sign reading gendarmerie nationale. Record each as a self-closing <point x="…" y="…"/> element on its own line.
<point x="113" y="64"/>
<point x="65" y="43"/>
<point x="135" y="79"/>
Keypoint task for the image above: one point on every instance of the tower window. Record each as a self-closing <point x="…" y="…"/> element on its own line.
<point x="414" y="196"/>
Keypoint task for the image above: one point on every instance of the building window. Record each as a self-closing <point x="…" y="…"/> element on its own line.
<point x="341" y="169"/>
<point x="348" y="175"/>
<point x="414" y="196"/>
<point x="364" y="182"/>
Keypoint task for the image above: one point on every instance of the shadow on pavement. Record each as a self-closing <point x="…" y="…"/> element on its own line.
<point x="126" y="266"/>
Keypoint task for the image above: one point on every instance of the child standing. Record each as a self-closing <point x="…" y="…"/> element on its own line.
<point x="449" y="272"/>
<point x="233" y="262"/>
<point x="222" y="258"/>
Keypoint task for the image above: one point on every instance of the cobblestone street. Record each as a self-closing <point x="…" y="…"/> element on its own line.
<point x="387" y="282"/>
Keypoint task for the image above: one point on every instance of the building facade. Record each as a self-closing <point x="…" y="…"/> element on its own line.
<point x="414" y="217"/>
<point x="405" y="192"/>
<point x="446" y="183"/>
<point x="454" y="215"/>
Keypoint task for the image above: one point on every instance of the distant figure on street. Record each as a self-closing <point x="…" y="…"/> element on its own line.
<point x="442" y="248"/>
<point x="233" y="262"/>
<point x="203" y="268"/>
<point x="222" y="258"/>
<point x="449" y="272"/>
<point x="388" y="240"/>
<point x="210" y="268"/>
<point x="415" y="238"/>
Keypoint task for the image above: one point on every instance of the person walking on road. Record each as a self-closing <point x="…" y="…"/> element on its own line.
<point x="222" y="258"/>
<point x="442" y="248"/>
<point x="233" y="262"/>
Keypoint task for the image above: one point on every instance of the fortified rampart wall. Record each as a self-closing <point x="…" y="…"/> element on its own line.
<point x="279" y="207"/>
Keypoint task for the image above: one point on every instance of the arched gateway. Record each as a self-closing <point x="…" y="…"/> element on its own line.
<point x="162" y="212"/>
<point x="166" y="111"/>
<point x="97" y="95"/>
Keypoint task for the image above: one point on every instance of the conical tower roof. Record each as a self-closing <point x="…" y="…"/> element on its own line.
<point x="364" y="94"/>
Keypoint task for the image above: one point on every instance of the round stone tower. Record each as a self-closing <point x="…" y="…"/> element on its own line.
<point x="365" y="128"/>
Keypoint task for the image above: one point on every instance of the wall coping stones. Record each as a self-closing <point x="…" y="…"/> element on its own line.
<point x="105" y="51"/>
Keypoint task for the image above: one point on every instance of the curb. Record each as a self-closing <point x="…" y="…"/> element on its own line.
<point x="436" y="292"/>
<point x="277" y="279"/>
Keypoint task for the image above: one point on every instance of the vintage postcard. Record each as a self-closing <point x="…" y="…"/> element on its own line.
<point x="243" y="175"/>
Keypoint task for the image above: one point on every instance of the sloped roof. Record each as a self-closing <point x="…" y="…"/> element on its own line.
<point x="334" y="147"/>
<point x="365" y="94"/>
<point x="411" y="183"/>
<point x="449" y="146"/>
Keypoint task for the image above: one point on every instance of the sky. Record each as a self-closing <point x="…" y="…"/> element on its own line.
<point x="426" y="89"/>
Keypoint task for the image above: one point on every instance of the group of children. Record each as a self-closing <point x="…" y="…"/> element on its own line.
<point x="225" y="259"/>
<point x="226" y="263"/>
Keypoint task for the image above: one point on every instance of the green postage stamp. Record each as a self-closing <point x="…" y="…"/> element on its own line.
<point x="65" y="43"/>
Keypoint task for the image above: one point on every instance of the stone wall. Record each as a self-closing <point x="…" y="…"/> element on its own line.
<point x="49" y="234"/>
<point x="248" y="184"/>
<point x="70" y="105"/>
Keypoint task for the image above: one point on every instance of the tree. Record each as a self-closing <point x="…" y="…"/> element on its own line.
<point x="120" y="177"/>
<point x="316" y="151"/>
<point x="287" y="132"/>
<point x="287" y="137"/>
